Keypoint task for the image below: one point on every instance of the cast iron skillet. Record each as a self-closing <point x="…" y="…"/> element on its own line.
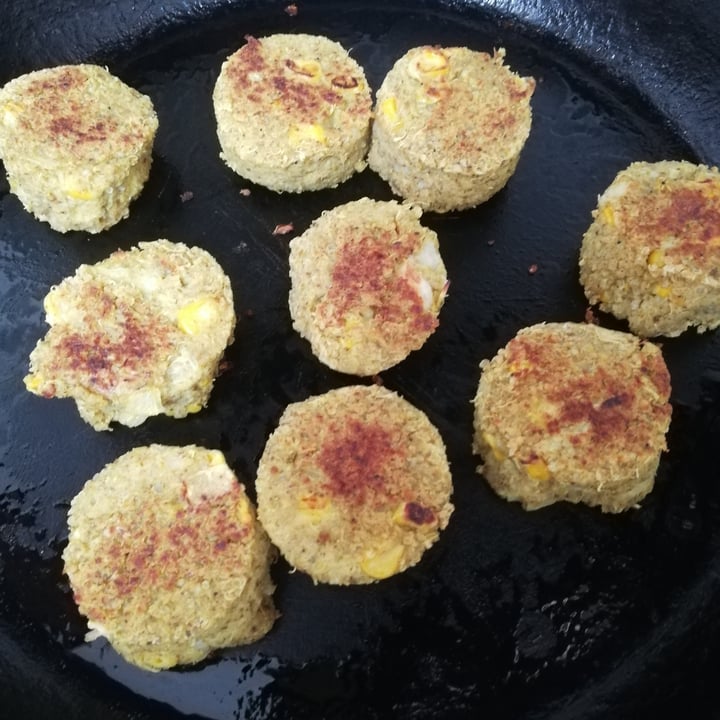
<point x="561" y="613"/>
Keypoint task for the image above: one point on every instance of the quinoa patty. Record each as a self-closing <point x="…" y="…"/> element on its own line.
<point x="77" y="144"/>
<point x="449" y="126"/>
<point x="138" y="334"/>
<point x="567" y="411"/>
<point x="652" y="253"/>
<point x="367" y="284"/>
<point x="354" y="485"/>
<point x="293" y="112"/>
<point x="166" y="558"/>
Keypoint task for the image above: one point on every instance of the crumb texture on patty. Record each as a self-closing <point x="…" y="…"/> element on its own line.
<point x="166" y="559"/>
<point x="77" y="145"/>
<point x="449" y="126"/>
<point x="138" y="334"/>
<point x="652" y="253"/>
<point x="367" y="285"/>
<point x="568" y="411"/>
<point x="293" y="112"/>
<point x="354" y="485"/>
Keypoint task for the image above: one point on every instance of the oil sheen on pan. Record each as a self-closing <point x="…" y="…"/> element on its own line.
<point x="559" y="613"/>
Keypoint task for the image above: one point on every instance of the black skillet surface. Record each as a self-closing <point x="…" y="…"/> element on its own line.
<point x="561" y="613"/>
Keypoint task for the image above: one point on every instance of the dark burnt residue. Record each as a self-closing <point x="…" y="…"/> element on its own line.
<point x="419" y="514"/>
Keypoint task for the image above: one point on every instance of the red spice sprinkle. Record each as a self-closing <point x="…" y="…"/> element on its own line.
<point x="357" y="461"/>
<point x="95" y="354"/>
<point x="292" y="10"/>
<point x="283" y="229"/>
<point x="365" y="268"/>
<point x="533" y="269"/>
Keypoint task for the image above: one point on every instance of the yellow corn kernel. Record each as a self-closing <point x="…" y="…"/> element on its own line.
<point x="194" y="408"/>
<point x="608" y="214"/>
<point x="498" y="454"/>
<point x="662" y="291"/>
<point x="306" y="131"/>
<point x="389" y="108"/>
<point x="351" y="324"/>
<point x="429" y="63"/>
<point x="537" y="469"/>
<point x="314" y="507"/>
<point x="157" y="659"/>
<point x="306" y="68"/>
<point x="539" y="412"/>
<point x="244" y="513"/>
<point x="414" y="516"/>
<point x="215" y="457"/>
<point x="383" y="564"/>
<point x="656" y="258"/>
<point x="196" y="316"/>
<point x="78" y="194"/>
<point x="11" y="110"/>
<point x="49" y="305"/>
<point x="33" y="382"/>
<point x="518" y="365"/>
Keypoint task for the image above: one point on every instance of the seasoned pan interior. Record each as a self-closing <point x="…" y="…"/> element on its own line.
<point x="563" y="612"/>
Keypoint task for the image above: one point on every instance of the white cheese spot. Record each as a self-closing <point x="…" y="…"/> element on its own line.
<point x="428" y="256"/>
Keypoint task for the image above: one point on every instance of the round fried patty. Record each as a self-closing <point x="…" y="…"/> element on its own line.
<point x="568" y="411"/>
<point x="293" y="112"/>
<point x="137" y="334"/>
<point x="354" y="485"/>
<point x="76" y="143"/>
<point x="449" y="126"/>
<point x="652" y="253"/>
<point x="367" y="284"/>
<point x="166" y="558"/>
